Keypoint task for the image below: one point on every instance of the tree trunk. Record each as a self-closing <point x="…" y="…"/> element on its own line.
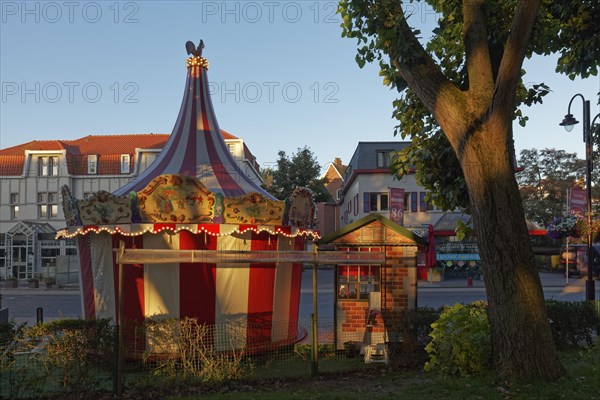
<point x="522" y="344"/>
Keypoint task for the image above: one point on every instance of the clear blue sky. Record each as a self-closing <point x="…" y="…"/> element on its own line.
<point x="282" y="75"/>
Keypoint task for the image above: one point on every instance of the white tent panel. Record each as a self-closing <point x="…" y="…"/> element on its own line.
<point x="161" y="281"/>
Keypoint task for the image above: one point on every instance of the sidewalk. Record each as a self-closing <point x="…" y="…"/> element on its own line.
<point x="549" y="279"/>
<point x="70" y="288"/>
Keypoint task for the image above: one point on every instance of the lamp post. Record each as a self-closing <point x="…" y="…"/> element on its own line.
<point x="568" y="122"/>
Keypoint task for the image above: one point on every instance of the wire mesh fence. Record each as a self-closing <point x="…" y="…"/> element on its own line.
<point x="68" y="356"/>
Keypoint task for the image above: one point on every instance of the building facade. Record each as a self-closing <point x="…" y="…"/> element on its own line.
<point x="31" y="177"/>
<point x="369" y="187"/>
<point x="328" y="212"/>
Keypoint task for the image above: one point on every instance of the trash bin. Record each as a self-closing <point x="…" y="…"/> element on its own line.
<point x="554" y="261"/>
<point x="351" y="349"/>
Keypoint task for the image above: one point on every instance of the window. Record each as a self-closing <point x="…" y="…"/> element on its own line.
<point x="406" y="201"/>
<point x="53" y="166"/>
<point x="338" y="194"/>
<point x="384" y="159"/>
<point x="47" y="205"/>
<point x="413" y="202"/>
<point x="231" y="148"/>
<point x="425" y="205"/>
<point x="357" y="281"/>
<point x="92" y="164"/>
<point x="125" y="164"/>
<point x="47" y="166"/>
<point x="376" y="202"/>
<point x="14" y="206"/>
<point x="48" y="257"/>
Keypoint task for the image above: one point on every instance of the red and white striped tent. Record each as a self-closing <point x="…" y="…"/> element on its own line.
<point x="221" y="211"/>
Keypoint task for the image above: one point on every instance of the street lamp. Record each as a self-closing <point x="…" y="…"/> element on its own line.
<point x="568" y="122"/>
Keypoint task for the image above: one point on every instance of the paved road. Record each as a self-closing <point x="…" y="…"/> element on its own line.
<point x="22" y="302"/>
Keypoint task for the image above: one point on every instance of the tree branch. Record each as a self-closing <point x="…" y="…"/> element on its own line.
<point x="509" y="72"/>
<point x="477" y="54"/>
<point x="439" y="95"/>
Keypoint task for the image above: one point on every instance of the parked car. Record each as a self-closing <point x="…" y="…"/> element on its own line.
<point x="576" y="257"/>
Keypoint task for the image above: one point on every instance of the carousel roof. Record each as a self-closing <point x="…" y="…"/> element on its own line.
<point x="196" y="147"/>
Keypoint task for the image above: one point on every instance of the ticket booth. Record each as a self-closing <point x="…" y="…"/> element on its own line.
<point x="370" y="297"/>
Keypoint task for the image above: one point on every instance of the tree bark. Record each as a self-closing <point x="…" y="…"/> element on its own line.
<point x="477" y="123"/>
<point x="522" y="344"/>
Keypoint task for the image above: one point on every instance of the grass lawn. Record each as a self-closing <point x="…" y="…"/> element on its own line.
<point x="581" y="383"/>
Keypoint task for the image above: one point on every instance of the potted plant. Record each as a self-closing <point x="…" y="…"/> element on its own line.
<point x="11" y="282"/>
<point x="33" y="283"/>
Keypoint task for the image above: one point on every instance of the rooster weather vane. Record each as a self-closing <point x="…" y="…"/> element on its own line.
<point x="191" y="48"/>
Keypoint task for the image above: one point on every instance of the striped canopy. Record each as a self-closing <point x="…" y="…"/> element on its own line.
<point x="196" y="146"/>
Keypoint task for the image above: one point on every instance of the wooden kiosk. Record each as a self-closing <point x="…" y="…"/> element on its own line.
<point x="371" y="297"/>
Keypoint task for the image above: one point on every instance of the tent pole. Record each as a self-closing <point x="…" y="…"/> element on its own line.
<point x="315" y="318"/>
<point x="120" y="325"/>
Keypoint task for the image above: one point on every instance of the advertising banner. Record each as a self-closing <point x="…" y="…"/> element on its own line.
<point x="577" y="201"/>
<point x="397" y="205"/>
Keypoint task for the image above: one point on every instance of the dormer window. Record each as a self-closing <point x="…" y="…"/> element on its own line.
<point x="47" y="166"/>
<point x="384" y="158"/>
<point x="125" y="163"/>
<point x="92" y="164"/>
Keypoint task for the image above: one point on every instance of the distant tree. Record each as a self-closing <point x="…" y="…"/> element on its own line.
<point x="302" y="169"/>
<point x="543" y="183"/>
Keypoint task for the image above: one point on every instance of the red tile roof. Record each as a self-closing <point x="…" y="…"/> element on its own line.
<point x="108" y="148"/>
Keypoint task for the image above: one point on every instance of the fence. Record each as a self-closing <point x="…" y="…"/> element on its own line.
<point x="68" y="356"/>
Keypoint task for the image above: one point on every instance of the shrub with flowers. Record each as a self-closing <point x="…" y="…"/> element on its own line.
<point x="563" y="226"/>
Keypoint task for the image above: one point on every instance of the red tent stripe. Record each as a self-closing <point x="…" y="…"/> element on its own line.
<point x="228" y="185"/>
<point x="87" y="279"/>
<point x="133" y="286"/>
<point x="197" y="281"/>
<point x="261" y="291"/>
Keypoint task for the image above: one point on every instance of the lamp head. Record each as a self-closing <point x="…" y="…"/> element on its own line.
<point x="569" y="122"/>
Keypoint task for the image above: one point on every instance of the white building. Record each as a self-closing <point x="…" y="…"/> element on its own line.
<point x="31" y="177"/>
<point x="368" y="183"/>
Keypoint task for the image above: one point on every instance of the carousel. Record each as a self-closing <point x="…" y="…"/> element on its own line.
<point x="197" y="237"/>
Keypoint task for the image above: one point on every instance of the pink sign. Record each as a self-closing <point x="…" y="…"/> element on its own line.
<point x="577" y="201"/>
<point x="397" y="205"/>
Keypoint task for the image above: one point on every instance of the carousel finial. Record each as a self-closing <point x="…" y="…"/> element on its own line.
<point x="196" y="55"/>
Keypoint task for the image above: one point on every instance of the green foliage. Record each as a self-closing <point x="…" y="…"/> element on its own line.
<point x="544" y="180"/>
<point x="460" y="338"/>
<point x="460" y="342"/>
<point x="74" y="351"/>
<point x="462" y="230"/>
<point x="64" y="355"/>
<point x="301" y="170"/>
<point x="573" y="324"/>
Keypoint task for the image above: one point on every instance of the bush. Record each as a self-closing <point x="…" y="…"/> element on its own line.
<point x="74" y="351"/>
<point x="189" y="350"/>
<point x="460" y="340"/>
<point x="573" y="323"/>
<point x="414" y="328"/>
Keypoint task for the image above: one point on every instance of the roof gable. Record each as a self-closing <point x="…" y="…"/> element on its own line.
<point x="373" y="229"/>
